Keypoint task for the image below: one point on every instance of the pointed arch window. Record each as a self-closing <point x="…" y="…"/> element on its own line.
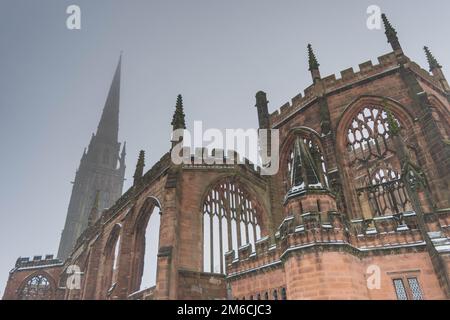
<point x="37" y="288"/>
<point x="375" y="164"/>
<point x="306" y="166"/>
<point x="146" y="245"/>
<point x="115" y="263"/>
<point x="230" y="221"/>
<point x="150" y="250"/>
<point x="111" y="260"/>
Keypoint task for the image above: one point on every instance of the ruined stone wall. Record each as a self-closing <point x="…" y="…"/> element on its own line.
<point x="27" y="268"/>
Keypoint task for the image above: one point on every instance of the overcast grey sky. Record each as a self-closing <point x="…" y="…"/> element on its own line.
<point x="218" y="54"/>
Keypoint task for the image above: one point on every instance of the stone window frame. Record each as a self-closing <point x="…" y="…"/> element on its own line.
<point x="109" y="272"/>
<point x="404" y="277"/>
<point x="407" y="122"/>
<point x="51" y="285"/>
<point x="139" y="227"/>
<point x="253" y="220"/>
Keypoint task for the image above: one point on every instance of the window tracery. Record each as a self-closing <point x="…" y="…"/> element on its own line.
<point x="37" y="288"/>
<point x="229" y="222"/>
<point x="374" y="163"/>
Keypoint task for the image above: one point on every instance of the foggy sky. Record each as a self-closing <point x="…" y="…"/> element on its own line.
<point x="218" y="54"/>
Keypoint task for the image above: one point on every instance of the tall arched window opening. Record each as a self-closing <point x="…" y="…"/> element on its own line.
<point x="146" y="245"/>
<point x="151" y="250"/>
<point x="230" y="220"/>
<point x="116" y="261"/>
<point x="374" y="164"/>
<point x="111" y="257"/>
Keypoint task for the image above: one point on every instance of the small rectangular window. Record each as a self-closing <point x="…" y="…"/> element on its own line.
<point x="408" y="288"/>
<point x="400" y="289"/>
<point x="415" y="289"/>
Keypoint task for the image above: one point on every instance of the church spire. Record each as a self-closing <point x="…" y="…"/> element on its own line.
<point x="391" y="34"/>
<point x="97" y="171"/>
<point x="313" y="64"/>
<point x="108" y="128"/>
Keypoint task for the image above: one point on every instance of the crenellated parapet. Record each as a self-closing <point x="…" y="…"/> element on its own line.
<point x="348" y="77"/>
<point x="386" y="232"/>
<point x="366" y="70"/>
<point x="38" y="261"/>
<point x="265" y="256"/>
<point x="203" y="158"/>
